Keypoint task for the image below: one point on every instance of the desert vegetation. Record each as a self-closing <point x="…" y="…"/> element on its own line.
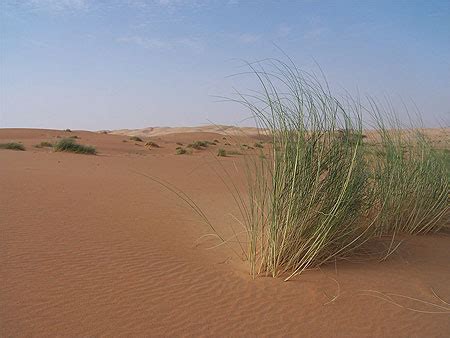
<point x="44" y="144"/>
<point x="152" y="144"/>
<point x="136" y="139"/>
<point x="12" y="146"/>
<point x="198" y="145"/>
<point x="69" y="145"/>
<point x="323" y="190"/>
<point x="181" y="151"/>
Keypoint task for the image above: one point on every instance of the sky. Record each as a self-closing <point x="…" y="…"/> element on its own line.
<point x="113" y="64"/>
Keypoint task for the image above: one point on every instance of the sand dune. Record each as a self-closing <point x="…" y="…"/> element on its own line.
<point x="90" y="246"/>
<point x="218" y="129"/>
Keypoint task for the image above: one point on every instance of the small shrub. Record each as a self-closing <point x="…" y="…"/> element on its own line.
<point x="69" y="145"/>
<point x="216" y="141"/>
<point x="233" y="152"/>
<point x="258" y="145"/>
<point x="179" y="143"/>
<point x="152" y="144"/>
<point x="222" y="152"/>
<point x="199" y="145"/>
<point x="135" y="138"/>
<point x="181" y="151"/>
<point x="44" y="144"/>
<point x="12" y="146"/>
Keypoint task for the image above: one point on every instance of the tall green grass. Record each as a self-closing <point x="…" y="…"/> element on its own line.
<point x="308" y="199"/>
<point x="319" y="195"/>
<point x="322" y="189"/>
<point x="69" y="145"/>
<point x="411" y="179"/>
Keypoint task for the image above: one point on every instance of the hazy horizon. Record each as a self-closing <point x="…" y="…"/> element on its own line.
<point x="93" y="65"/>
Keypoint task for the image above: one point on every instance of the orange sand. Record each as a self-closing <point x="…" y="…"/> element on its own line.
<point x="90" y="247"/>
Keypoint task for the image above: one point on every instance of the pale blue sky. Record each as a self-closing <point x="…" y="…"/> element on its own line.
<point x="109" y="64"/>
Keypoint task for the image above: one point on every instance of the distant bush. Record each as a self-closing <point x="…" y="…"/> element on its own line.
<point x="12" y="146"/>
<point x="216" y="141"/>
<point x="198" y="145"/>
<point x="44" y="144"/>
<point x="222" y="152"/>
<point x="233" y="152"/>
<point x="135" y="138"/>
<point x="179" y="143"/>
<point x="181" y="151"/>
<point x="69" y="145"/>
<point x="258" y="145"/>
<point x="152" y="144"/>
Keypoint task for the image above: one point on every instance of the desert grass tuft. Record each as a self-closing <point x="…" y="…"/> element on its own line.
<point x="222" y="152"/>
<point x="152" y="144"/>
<point x="322" y="189"/>
<point x="69" y="145"/>
<point x="199" y="145"/>
<point x="136" y="139"/>
<point x="181" y="151"/>
<point x="12" y="146"/>
<point x="411" y="178"/>
<point x="44" y="144"/>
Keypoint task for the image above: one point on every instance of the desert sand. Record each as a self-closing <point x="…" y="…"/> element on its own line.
<point x="90" y="246"/>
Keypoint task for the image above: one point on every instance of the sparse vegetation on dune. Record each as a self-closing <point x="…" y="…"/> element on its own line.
<point x="411" y="179"/>
<point x="322" y="190"/>
<point x="152" y="144"/>
<point x="198" y="145"/>
<point x="44" y="144"/>
<point x="181" y="151"/>
<point x="12" y="146"/>
<point x="136" y="139"/>
<point x="234" y="152"/>
<point x="69" y="145"/>
<point x="222" y="152"/>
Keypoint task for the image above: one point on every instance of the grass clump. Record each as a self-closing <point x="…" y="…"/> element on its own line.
<point x="258" y="145"/>
<point x="307" y="200"/>
<point x="234" y="152"/>
<point x="69" y="145"/>
<point x="198" y="145"/>
<point x="411" y="179"/>
<point x="136" y="139"/>
<point x="181" y="151"/>
<point x="321" y="190"/>
<point x="44" y="144"/>
<point x="12" y="146"/>
<point x="152" y="144"/>
<point x="222" y="152"/>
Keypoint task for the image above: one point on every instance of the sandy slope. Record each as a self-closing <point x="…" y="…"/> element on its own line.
<point x="160" y="131"/>
<point x="91" y="247"/>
